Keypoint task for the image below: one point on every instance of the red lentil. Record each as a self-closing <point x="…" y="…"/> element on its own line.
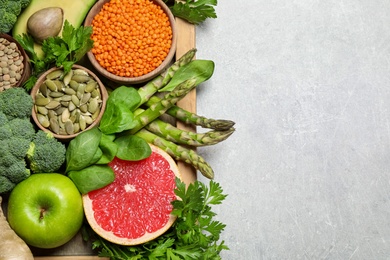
<point x="131" y="37"/>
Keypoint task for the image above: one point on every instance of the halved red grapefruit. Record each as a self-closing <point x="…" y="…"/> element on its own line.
<point x="136" y="207"/>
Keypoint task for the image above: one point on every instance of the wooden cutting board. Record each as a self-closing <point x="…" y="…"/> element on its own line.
<point x="77" y="249"/>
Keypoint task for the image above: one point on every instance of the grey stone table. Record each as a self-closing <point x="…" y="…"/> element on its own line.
<point x="308" y="84"/>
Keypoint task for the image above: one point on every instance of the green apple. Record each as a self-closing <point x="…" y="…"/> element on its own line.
<point x="45" y="210"/>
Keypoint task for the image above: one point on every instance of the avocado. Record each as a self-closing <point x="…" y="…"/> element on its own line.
<point x="75" y="12"/>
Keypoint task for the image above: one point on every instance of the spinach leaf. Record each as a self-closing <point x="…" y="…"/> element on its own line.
<point x="92" y="178"/>
<point x="132" y="148"/>
<point x="201" y="70"/>
<point x="118" y="115"/>
<point x="82" y="149"/>
<point x="108" y="147"/>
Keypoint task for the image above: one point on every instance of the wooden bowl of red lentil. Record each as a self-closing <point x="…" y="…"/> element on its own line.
<point x="134" y="40"/>
<point x="14" y="63"/>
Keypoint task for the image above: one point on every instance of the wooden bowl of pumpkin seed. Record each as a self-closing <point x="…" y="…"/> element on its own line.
<point x="68" y="104"/>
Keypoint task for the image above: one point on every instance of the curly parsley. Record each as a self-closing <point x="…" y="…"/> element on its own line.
<point x="64" y="50"/>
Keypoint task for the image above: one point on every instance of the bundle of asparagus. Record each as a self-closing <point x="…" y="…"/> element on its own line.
<point x="179" y="143"/>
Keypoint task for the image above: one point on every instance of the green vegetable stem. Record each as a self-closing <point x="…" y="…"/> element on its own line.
<point x="180" y="136"/>
<point x="148" y="90"/>
<point x="178" y="152"/>
<point x="165" y="103"/>
<point x="192" y="118"/>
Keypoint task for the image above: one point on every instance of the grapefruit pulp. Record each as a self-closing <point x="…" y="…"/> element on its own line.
<point x="136" y="207"/>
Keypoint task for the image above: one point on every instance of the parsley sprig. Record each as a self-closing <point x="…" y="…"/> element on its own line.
<point x="194" y="11"/>
<point x="64" y="50"/>
<point x="194" y="235"/>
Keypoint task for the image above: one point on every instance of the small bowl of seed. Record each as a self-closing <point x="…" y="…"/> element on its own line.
<point x="14" y="63"/>
<point x="68" y="104"/>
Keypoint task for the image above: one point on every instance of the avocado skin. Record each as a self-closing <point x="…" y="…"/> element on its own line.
<point x="75" y="12"/>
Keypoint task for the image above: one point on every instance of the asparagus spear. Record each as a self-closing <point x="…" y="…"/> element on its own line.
<point x="178" y="152"/>
<point x="157" y="109"/>
<point x="151" y="87"/>
<point x="179" y="136"/>
<point x="192" y="118"/>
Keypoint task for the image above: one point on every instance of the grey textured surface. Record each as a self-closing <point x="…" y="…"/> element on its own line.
<point x="308" y="85"/>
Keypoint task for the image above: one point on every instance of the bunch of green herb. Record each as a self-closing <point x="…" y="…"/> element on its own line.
<point x="194" y="235"/>
<point x="64" y="50"/>
<point x="193" y="11"/>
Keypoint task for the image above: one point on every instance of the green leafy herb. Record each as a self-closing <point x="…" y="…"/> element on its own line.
<point x="194" y="235"/>
<point x="57" y="51"/>
<point x="193" y="11"/>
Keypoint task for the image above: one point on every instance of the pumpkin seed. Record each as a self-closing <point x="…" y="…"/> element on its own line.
<point x="91" y="85"/>
<point x="80" y="72"/>
<point x="74" y="85"/>
<point x="43" y="120"/>
<point x="51" y="114"/>
<point x="85" y="98"/>
<point x="71" y="106"/>
<point x="65" y="103"/>
<point x="60" y="110"/>
<point x="69" y="128"/>
<point x="42" y="101"/>
<point x="88" y="119"/>
<point x="42" y="110"/>
<point x="60" y="85"/>
<point x="65" y="115"/>
<point x="96" y="114"/>
<point x="69" y="91"/>
<point x="68" y="77"/>
<point x="43" y="89"/>
<point x="55" y="74"/>
<point x="75" y="100"/>
<point x="51" y="85"/>
<point x="76" y="127"/>
<point x="53" y="104"/>
<point x="83" y="108"/>
<point x="54" y="126"/>
<point x="81" y="78"/>
<point x="66" y="98"/>
<point x="93" y="105"/>
<point x="56" y="94"/>
<point x="82" y="123"/>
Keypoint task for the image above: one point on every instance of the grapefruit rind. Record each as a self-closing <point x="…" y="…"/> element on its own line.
<point x="110" y="236"/>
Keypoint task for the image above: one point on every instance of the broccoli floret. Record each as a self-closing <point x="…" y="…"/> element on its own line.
<point x="5" y="185"/>
<point x="18" y="172"/>
<point x="22" y="127"/>
<point x="16" y="103"/>
<point x="46" y="153"/>
<point x="5" y="132"/>
<point x="7" y="21"/>
<point x="24" y="3"/>
<point x="4" y="150"/>
<point x="18" y="147"/>
<point x="13" y="7"/>
<point x="8" y="159"/>
<point x="3" y="117"/>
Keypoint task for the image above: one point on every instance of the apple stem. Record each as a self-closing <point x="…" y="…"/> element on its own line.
<point x="42" y="213"/>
